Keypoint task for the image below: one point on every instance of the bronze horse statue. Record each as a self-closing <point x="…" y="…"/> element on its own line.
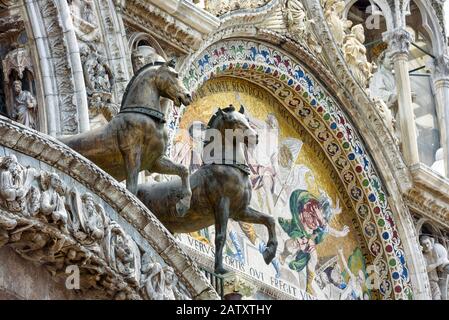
<point x="221" y="188"/>
<point x="136" y="138"/>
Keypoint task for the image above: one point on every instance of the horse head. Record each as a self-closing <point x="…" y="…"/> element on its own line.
<point x="170" y="86"/>
<point x="234" y="120"/>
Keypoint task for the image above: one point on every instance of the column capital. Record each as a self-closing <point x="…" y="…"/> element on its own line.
<point x="441" y="67"/>
<point x="235" y="287"/>
<point x="399" y="41"/>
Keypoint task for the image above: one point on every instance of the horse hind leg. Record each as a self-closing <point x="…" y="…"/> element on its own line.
<point x="251" y="215"/>
<point x="221" y="226"/>
<point x="166" y="166"/>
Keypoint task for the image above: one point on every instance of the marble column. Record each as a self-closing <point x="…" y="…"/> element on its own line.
<point x="441" y="84"/>
<point x="399" y="43"/>
<point x="235" y="287"/>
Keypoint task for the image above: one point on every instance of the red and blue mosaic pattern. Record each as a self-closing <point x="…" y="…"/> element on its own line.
<point x="322" y="117"/>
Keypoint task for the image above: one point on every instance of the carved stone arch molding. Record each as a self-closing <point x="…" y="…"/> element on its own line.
<point x="394" y="245"/>
<point x="433" y="22"/>
<point x="137" y="37"/>
<point x="59" y="68"/>
<point x="39" y="155"/>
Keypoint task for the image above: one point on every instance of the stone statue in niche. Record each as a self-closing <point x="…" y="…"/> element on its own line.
<point x="333" y="12"/>
<point x="436" y="257"/>
<point x="25" y="106"/>
<point x="99" y="80"/>
<point x="15" y="182"/>
<point x="355" y="55"/>
<point x="383" y="83"/>
<point x="53" y="200"/>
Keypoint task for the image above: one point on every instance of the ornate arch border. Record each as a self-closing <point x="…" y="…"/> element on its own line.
<point x="320" y="115"/>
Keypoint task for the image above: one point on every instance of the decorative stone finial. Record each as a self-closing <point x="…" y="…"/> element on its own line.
<point x="235" y="287"/>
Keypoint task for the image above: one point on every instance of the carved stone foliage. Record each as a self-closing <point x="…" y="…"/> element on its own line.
<point x="50" y="223"/>
<point x="218" y="8"/>
<point x="399" y="41"/>
<point x="17" y="60"/>
<point x="438" y="7"/>
<point x="60" y="66"/>
<point x="10" y="26"/>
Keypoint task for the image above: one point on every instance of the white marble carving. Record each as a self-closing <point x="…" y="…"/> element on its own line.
<point x="437" y="260"/>
<point x="355" y="55"/>
<point x="333" y="12"/>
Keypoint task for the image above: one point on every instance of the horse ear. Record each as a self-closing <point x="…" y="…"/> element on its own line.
<point x="220" y="111"/>
<point x="171" y="63"/>
<point x="242" y="109"/>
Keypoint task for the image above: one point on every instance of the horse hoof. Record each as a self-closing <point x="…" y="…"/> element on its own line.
<point x="268" y="255"/>
<point x="220" y="270"/>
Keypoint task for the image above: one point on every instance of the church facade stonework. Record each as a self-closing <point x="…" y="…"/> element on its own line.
<point x="339" y="159"/>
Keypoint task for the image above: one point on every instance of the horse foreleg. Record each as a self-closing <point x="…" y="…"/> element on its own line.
<point x="251" y="215"/>
<point x="221" y="226"/>
<point x="166" y="166"/>
<point x="133" y="161"/>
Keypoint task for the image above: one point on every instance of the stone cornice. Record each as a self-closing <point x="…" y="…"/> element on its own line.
<point x="190" y="14"/>
<point x="430" y="195"/>
<point x="178" y="22"/>
<point x="47" y="149"/>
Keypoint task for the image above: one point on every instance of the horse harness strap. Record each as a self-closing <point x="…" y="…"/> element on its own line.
<point x="242" y="167"/>
<point x="150" y="112"/>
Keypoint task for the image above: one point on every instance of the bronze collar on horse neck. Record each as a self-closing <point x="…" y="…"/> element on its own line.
<point x="240" y="166"/>
<point x="150" y="112"/>
<point x="147" y="111"/>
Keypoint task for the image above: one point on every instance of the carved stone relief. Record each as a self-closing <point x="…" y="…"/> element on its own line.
<point x="436" y="257"/>
<point x="46" y="222"/>
<point x="355" y="55"/>
<point x="218" y="8"/>
<point x="99" y="79"/>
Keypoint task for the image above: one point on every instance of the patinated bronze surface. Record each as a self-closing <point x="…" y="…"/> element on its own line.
<point x="136" y="139"/>
<point x="219" y="192"/>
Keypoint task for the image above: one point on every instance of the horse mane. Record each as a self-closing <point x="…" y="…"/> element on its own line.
<point x="139" y="72"/>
